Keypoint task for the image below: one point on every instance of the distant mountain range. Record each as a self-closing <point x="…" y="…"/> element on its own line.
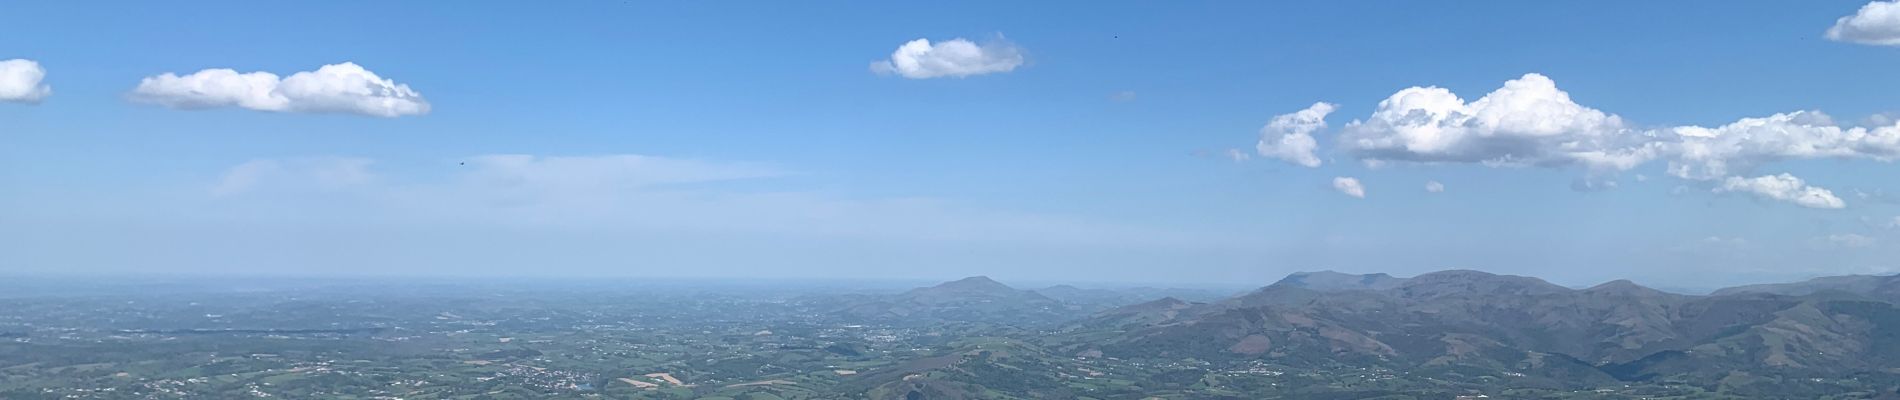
<point x="1101" y="299"/>
<point x="1467" y="324"/>
<point x="981" y="299"/>
<point x="1465" y="319"/>
<point x="1883" y="288"/>
<point x="973" y="299"/>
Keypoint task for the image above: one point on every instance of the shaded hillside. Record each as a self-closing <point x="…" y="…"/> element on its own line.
<point x="1151" y="313"/>
<point x="1520" y="325"/>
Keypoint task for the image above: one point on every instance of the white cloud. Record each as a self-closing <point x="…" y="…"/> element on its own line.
<point x="1848" y="240"/>
<point x="336" y="88"/>
<point x="1527" y="122"/>
<point x="1434" y="187"/>
<point x="1739" y="147"/>
<point x="1877" y="23"/>
<point x="1783" y="187"/>
<point x="1289" y="137"/>
<point x="1530" y="122"/>
<point x="1349" y="187"/>
<point x="920" y="59"/>
<point x="295" y="174"/>
<point x="1123" y="96"/>
<point x="20" y="81"/>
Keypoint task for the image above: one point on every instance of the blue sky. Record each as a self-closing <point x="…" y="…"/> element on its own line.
<point x="758" y="140"/>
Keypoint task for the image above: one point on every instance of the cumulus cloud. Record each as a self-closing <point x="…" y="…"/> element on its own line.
<point x="1529" y="121"/>
<point x="1434" y="187"/>
<point x="1349" y="186"/>
<point x="1877" y="23"/>
<point x="1737" y="148"/>
<point x="337" y="88"/>
<point x="1783" y="187"/>
<point x="956" y="58"/>
<point x="1289" y="137"/>
<point x="295" y="174"/>
<point x="20" y="81"/>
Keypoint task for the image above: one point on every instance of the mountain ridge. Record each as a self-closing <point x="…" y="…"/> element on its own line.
<point x="1619" y="329"/>
<point x="1765" y="340"/>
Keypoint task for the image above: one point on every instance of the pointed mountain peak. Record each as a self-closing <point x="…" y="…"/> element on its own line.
<point x="1622" y="286"/>
<point x="974" y="280"/>
<point x="974" y="283"/>
<point x="1619" y="284"/>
